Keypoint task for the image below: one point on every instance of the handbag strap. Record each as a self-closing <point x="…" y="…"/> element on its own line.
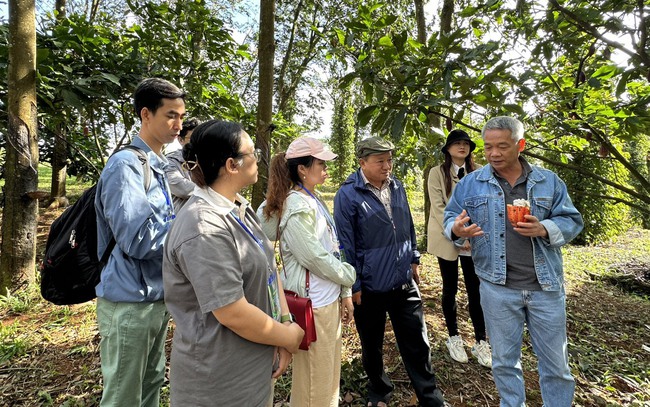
<point x="278" y="244"/>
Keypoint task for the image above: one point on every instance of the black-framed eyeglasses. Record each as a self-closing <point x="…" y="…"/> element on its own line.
<point x="257" y="154"/>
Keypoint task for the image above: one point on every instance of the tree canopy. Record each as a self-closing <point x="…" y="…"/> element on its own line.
<point x="576" y="73"/>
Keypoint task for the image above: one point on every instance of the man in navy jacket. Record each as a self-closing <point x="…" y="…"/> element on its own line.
<point x="376" y="230"/>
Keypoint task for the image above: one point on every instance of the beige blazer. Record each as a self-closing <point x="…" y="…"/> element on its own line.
<point x="437" y="243"/>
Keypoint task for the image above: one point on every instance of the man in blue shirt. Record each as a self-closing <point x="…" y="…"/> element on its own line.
<point x="519" y="265"/>
<point x="375" y="227"/>
<point x="131" y="314"/>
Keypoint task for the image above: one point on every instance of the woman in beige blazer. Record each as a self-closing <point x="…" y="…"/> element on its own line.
<point x="442" y="180"/>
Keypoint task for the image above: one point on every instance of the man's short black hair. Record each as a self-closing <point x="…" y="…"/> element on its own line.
<point x="150" y="93"/>
<point x="188" y="125"/>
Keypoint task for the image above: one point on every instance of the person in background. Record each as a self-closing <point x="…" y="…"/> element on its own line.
<point x="294" y="214"/>
<point x="441" y="182"/>
<point x="378" y="236"/>
<point x="234" y="333"/>
<point x="131" y="314"/>
<point x="520" y="265"/>
<point x="180" y="182"/>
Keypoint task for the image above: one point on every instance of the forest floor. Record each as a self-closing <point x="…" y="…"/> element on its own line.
<point x="49" y="354"/>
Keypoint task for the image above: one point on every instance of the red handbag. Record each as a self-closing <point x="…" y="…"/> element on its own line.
<point x="299" y="306"/>
<point x="303" y="313"/>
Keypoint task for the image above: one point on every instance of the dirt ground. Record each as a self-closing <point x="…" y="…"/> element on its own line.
<point x="49" y="354"/>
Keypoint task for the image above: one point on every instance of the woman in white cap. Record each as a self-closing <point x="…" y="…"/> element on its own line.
<point x="442" y="181"/>
<point x="294" y="214"/>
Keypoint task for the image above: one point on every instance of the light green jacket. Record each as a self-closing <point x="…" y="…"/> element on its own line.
<point x="301" y="247"/>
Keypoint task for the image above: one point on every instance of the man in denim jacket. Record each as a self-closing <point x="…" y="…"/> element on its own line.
<point x="520" y="267"/>
<point x="131" y="314"/>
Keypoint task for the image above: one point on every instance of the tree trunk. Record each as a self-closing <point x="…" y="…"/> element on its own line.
<point x="342" y="139"/>
<point x="421" y="21"/>
<point x="265" y="98"/>
<point x="59" y="154"/>
<point x="58" y="192"/>
<point x="20" y="214"/>
<point x="446" y="15"/>
<point x="60" y="8"/>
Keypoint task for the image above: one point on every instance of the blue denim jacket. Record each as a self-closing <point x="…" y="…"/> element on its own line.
<point x="139" y="220"/>
<point x="481" y="195"/>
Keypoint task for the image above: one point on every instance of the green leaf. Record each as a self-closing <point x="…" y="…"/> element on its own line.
<point x="514" y="108"/>
<point x="366" y="114"/>
<point x="111" y="78"/>
<point x="397" y="128"/>
<point x="385" y="41"/>
<point x="71" y="98"/>
<point x="607" y="71"/>
<point x="346" y="80"/>
<point x="42" y="54"/>
<point x="340" y="35"/>
<point x="622" y="83"/>
<point x="468" y="11"/>
<point x="594" y="83"/>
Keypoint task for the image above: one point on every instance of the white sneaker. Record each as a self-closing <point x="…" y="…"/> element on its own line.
<point x="456" y="348"/>
<point x="483" y="353"/>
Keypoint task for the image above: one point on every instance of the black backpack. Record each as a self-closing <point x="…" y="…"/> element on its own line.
<point x="70" y="269"/>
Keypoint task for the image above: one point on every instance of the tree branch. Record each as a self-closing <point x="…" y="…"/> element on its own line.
<point x="615" y="199"/>
<point x="589" y="29"/>
<point x="581" y="170"/>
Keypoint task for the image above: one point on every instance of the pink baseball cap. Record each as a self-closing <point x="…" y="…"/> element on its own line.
<point x="308" y="146"/>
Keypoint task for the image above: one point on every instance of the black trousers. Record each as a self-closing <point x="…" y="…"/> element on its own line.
<point x="449" y="272"/>
<point x="404" y="306"/>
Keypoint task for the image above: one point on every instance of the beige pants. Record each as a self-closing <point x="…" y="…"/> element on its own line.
<point x="317" y="372"/>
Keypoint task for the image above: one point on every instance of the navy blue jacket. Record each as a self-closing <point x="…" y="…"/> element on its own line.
<point x="381" y="249"/>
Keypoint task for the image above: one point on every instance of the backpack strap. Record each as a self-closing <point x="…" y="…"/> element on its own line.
<point x="144" y="160"/>
<point x="109" y="250"/>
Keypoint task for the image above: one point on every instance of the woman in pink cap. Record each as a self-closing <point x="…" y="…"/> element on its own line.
<point x="294" y="214"/>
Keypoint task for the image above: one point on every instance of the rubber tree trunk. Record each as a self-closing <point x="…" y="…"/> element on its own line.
<point x="20" y="213"/>
<point x="60" y="153"/>
<point x="265" y="99"/>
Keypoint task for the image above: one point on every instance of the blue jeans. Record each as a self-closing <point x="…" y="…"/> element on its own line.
<point x="544" y="312"/>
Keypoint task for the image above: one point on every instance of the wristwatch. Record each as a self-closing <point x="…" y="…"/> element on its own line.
<point x="286" y="318"/>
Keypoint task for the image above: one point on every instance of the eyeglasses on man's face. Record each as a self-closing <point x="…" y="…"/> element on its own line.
<point x="257" y="154"/>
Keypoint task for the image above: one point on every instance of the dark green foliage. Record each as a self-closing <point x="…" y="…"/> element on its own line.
<point x="553" y="67"/>
<point x="342" y="140"/>
<point x="87" y="71"/>
<point x="603" y="214"/>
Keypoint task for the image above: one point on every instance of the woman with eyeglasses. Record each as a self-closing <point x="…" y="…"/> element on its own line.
<point x="441" y="183"/>
<point x="294" y="214"/>
<point x="221" y="283"/>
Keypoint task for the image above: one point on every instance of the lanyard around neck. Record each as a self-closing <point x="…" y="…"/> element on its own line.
<point x="250" y="233"/>
<point x="323" y="210"/>
<point x="170" y="207"/>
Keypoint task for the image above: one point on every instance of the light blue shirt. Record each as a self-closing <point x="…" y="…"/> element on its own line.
<point x="481" y="195"/>
<point x="139" y="220"/>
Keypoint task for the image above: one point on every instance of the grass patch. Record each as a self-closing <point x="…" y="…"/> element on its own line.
<point x="13" y="344"/>
<point x="21" y="301"/>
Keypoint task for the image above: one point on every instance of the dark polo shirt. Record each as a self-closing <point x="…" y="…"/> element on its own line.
<point x="520" y="269"/>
